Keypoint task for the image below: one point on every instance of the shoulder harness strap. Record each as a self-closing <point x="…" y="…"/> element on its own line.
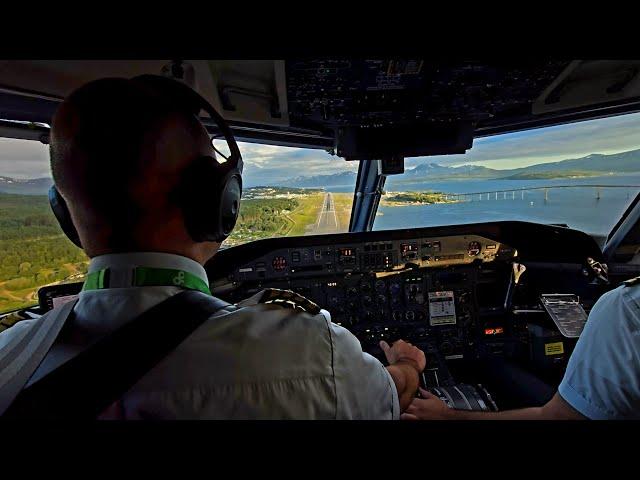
<point x="87" y="384"/>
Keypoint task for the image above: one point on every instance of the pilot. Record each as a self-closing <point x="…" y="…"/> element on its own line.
<point x="117" y="157"/>
<point x="602" y="379"/>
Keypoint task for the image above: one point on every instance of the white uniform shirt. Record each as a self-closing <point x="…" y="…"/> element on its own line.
<point x="602" y="380"/>
<point x="263" y="361"/>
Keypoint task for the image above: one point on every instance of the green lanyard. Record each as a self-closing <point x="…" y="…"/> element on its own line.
<point x="150" y="277"/>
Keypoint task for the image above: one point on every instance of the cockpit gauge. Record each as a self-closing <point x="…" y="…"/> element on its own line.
<point x="279" y="264"/>
<point x="474" y="249"/>
<point x="409" y="251"/>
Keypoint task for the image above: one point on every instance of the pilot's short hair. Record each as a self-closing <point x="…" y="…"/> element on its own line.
<point x="96" y="147"/>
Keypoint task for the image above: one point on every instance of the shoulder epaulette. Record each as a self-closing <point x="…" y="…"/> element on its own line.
<point x="10" y="320"/>
<point x="289" y="299"/>
<point x="631" y="281"/>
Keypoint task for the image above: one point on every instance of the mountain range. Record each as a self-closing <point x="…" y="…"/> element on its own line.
<point x="340" y="179"/>
<point x="30" y="186"/>
<point x="592" y="165"/>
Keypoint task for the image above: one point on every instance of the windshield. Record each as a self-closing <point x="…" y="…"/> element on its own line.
<point x="292" y="191"/>
<point x="582" y="175"/>
<point x="287" y="191"/>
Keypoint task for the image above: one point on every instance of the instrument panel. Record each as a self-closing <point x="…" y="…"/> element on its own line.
<point x="450" y="290"/>
<point x="420" y="289"/>
<point x="379" y="256"/>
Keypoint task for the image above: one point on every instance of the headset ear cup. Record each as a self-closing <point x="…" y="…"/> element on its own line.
<point x="229" y="204"/>
<point x="61" y="212"/>
<point x="210" y="204"/>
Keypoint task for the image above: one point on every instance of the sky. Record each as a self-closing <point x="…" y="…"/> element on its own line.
<point x="266" y="163"/>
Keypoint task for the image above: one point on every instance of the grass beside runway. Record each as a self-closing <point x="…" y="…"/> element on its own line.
<point x="342" y="204"/>
<point x="305" y="214"/>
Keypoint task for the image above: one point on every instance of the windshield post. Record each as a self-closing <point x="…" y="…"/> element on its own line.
<point x="369" y="185"/>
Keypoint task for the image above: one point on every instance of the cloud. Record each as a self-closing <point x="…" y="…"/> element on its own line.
<point x="23" y="158"/>
<point x="608" y="135"/>
<point x="264" y="164"/>
<point x="269" y="163"/>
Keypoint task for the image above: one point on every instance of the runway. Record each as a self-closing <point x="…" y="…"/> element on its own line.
<point x="327" y="221"/>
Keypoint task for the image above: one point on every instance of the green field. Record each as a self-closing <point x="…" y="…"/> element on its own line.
<point x="35" y="252"/>
<point x="397" y="199"/>
<point x="305" y="214"/>
<point x="343" y="203"/>
<point x="283" y="217"/>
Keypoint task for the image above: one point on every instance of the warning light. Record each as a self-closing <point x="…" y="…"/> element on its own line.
<point x="493" y="331"/>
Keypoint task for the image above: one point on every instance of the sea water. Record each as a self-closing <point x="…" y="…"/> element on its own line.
<point x="590" y="209"/>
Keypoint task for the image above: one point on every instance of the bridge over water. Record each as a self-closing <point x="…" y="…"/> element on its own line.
<point x="519" y="193"/>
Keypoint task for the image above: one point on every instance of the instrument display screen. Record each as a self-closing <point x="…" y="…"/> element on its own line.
<point x="442" y="308"/>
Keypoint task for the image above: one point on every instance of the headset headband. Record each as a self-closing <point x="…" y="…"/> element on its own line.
<point x="187" y="97"/>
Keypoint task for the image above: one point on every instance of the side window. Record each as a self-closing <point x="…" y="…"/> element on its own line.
<point x="34" y="250"/>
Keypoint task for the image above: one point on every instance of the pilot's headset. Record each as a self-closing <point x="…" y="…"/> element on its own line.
<point x="210" y="189"/>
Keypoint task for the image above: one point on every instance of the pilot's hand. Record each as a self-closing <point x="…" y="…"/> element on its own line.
<point x="429" y="407"/>
<point x="404" y="352"/>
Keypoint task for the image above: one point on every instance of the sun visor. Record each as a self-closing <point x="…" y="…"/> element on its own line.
<point x="590" y="83"/>
<point x="247" y="91"/>
<point x="241" y="90"/>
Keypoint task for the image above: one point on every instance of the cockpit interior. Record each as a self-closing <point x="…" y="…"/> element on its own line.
<point x="495" y="298"/>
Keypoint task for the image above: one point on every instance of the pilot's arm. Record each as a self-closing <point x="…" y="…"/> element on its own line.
<point x="602" y="380"/>
<point x="405" y="364"/>
<point x="367" y="389"/>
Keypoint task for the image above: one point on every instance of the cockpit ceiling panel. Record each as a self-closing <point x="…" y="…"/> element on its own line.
<point x="58" y="78"/>
<point x="319" y="96"/>
<point x="245" y="91"/>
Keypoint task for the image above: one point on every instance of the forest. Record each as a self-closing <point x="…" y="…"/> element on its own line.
<point x="263" y="218"/>
<point x="35" y="252"/>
